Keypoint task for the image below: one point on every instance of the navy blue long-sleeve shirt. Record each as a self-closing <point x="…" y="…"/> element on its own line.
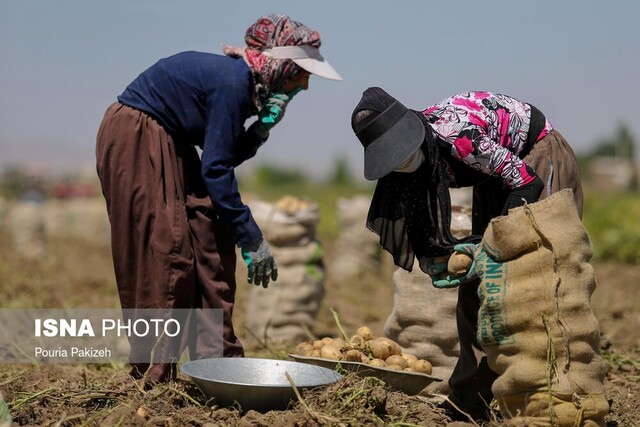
<point x="204" y="99"/>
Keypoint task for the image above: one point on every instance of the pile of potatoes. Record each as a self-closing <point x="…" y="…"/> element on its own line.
<point x="365" y="347"/>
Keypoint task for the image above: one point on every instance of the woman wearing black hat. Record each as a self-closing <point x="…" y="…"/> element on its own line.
<point x="504" y="148"/>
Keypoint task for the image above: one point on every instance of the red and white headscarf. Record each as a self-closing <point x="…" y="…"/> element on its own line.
<point x="267" y="32"/>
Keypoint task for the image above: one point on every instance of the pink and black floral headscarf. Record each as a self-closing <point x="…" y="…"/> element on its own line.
<point x="267" y="32"/>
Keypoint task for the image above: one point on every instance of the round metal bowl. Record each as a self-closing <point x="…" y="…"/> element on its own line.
<point x="255" y="384"/>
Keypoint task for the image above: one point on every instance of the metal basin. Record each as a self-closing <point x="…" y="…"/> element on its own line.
<point x="257" y="384"/>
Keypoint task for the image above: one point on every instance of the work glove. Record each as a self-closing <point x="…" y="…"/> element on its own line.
<point x="273" y="111"/>
<point x="260" y="264"/>
<point x="434" y="267"/>
<point x="469" y="276"/>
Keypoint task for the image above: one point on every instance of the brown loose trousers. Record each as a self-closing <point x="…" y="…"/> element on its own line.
<point x="169" y="248"/>
<point x="555" y="163"/>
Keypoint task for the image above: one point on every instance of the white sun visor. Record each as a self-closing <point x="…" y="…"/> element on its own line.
<point x="307" y="57"/>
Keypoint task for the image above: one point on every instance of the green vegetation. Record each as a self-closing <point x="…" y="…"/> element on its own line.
<point x="13" y="183"/>
<point x="621" y="144"/>
<point x="612" y="222"/>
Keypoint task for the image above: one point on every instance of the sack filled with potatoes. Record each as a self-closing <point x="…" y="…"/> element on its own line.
<point x="364" y="347"/>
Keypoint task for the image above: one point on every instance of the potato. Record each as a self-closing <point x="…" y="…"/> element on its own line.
<point x="422" y="365"/>
<point x="364" y="358"/>
<point x="353" y="355"/>
<point x="326" y="341"/>
<point x="394" y="347"/>
<point x="357" y="342"/>
<point x="409" y="357"/>
<point x="292" y="205"/>
<point x="365" y="332"/>
<point x="379" y="349"/>
<point x="377" y="362"/>
<point x="303" y="349"/>
<point x="459" y="264"/>
<point x="330" y="352"/>
<point x="396" y="359"/>
<point x="409" y="369"/>
<point x="318" y="344"/>
<point x="395" y="367"/>
<point x="383" y="347"/>
<point x="315" y="353"/>
<point x="337" y="343"/>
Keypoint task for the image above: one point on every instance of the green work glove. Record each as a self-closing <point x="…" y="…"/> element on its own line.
<point x="260" y="264"/>
<point x="471" y="274"/>
<point x="434" y="267"/>
<point x="273" y="110"/>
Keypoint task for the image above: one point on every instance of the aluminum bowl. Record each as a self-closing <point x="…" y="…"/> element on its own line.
<point x="255" y="384"/>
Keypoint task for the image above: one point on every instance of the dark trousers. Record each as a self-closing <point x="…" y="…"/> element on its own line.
<point x="169" y="248"/>
<point x="555" y="163"/>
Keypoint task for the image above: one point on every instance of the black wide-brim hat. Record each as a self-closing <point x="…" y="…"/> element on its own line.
<point x="389" y="135"/>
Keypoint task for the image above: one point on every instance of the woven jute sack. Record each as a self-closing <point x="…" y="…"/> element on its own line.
<point x="286" y="311"/>
<point x="356" y="248"/>
<point x="423" y="322"/>
<point x="535" y="320"/>
<point x="288" y="222"/>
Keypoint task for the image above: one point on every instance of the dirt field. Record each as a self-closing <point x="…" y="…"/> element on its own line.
<point x="76" y="274"/>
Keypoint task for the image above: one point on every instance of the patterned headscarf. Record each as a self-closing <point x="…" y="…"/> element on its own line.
<point x="269" y="31"/>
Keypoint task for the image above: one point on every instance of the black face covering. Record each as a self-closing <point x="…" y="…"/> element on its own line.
<point x="411" y="212"/>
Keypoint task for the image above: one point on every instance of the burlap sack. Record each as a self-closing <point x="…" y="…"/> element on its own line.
<point x="535" y="321"/>
<point x="283" y="226"/>
<point x="356" y="248"/>
<point x="423" y="322"/>
<point x="287" y="309"/>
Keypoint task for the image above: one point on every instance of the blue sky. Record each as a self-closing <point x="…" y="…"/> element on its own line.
<point x="62" y="62"/>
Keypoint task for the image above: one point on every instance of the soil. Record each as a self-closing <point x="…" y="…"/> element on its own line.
<point x="105" y="395"/>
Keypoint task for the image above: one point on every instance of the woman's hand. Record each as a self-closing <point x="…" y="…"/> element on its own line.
<point x="273" y="110"/>
<point x="261" y="267"/>
<point x="453" y="282"/>
<point x="434" y="267"/>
